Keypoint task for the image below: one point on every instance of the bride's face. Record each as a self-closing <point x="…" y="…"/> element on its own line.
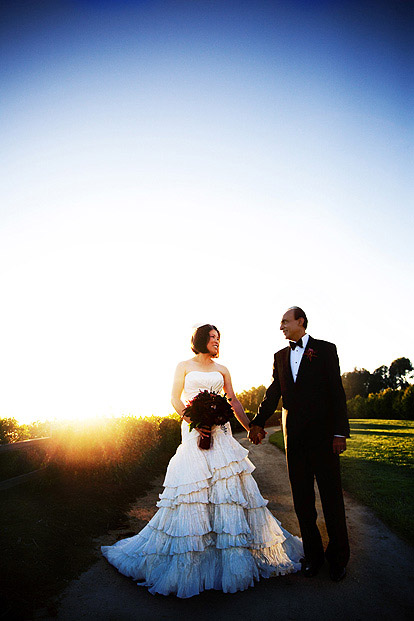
<point x="213" y="343"/>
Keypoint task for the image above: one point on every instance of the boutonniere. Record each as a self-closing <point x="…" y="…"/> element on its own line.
<point x="310" y="353"/>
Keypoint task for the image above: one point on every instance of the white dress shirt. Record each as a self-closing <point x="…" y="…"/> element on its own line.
<point x="296" y="356"/>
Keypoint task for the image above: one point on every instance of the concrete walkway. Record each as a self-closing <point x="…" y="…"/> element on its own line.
<point x="379" y="584"/>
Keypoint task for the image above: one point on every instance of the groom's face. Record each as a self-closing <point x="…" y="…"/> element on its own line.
<point x="292" y="328"/>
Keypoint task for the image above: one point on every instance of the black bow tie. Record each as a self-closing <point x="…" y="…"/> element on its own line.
<point x="293" y="344"/>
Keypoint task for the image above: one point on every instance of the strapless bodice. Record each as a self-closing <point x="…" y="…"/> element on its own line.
<point x="195" y="381"/>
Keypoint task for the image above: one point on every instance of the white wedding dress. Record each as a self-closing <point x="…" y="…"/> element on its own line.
<point x="212" y="529"/>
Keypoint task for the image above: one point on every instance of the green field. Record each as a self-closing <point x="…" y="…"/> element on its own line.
<point x="378" y="470"/>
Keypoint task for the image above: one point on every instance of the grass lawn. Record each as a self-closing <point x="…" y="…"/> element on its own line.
<point x="378" y="470"/>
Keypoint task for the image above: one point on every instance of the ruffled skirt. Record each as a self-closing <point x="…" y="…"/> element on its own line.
<point x="212" y="529"/>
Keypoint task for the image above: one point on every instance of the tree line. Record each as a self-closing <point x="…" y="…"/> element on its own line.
<point x="385" y="394"/>
<point x="387" y="404"/>
<point x="361" y="382"/>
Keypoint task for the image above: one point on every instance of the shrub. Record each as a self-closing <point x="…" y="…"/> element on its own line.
<point x="407" y="403"/>
<point x="11" y="431"/>
<point x="388" y="404"/>
<point x="113" y="448"/>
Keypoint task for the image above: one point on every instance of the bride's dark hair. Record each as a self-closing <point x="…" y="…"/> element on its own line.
<point x="201" y="337"/>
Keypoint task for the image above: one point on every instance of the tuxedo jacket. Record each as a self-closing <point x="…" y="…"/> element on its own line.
<point x="314" y="407"/>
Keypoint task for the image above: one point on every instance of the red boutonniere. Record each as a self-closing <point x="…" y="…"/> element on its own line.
<point x="310" y="353"/>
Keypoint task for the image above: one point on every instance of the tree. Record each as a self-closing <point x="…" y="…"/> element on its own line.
<point x="379" y="380"/>
<point x="356" y="383"/>
<point x="251" y="399"/>
<point x="399" y="371"/>
<point x="11" y="431"/>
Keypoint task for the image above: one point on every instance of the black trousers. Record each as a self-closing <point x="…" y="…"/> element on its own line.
<point x="305" y="464"/>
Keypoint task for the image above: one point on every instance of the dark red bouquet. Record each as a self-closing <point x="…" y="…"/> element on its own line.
<point x="207" y="409"/>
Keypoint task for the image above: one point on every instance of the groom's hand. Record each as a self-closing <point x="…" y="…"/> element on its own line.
<point x="339" y="445"/>
<point x="256" y="434"/>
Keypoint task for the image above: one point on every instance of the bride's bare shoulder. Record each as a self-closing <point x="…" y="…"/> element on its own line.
<point x="185" y="365"/>
<point x="223" y="370"/>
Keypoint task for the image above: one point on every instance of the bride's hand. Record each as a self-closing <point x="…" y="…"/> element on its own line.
<point x="204" y="432"/>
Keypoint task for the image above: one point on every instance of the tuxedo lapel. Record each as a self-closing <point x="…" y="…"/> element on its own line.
<point x="287" y="368"/>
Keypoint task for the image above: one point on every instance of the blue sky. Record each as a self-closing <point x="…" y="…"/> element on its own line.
<point x="170" y="163"/>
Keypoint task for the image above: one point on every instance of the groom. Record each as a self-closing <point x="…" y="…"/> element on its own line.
<point x="315" y="426"/>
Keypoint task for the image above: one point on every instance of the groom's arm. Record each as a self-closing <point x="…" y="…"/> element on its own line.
<point x="340" y="414"/>
<point x="270" y="401"/>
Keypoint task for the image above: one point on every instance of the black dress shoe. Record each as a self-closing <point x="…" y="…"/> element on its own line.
<point x="310" y="569"/>
<point x="337" y="573"/>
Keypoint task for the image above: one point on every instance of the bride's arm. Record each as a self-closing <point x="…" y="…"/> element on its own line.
<point x="177" y="389"/>
<point x="235" y="403"/>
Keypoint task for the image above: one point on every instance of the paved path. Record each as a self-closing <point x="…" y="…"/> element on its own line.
<point x="379" y="584"/>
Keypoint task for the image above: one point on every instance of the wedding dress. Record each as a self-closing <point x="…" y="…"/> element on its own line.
<point x="212" y="529"/>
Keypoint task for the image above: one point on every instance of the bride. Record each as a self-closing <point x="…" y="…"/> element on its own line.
<point x="212" y="529"/>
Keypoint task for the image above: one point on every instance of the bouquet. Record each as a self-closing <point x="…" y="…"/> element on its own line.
<point x="207" y="409"/>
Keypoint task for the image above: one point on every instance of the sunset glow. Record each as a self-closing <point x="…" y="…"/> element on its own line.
<point x="173" y="163"/>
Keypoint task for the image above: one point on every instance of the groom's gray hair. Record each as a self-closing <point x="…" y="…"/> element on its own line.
<point x="298" y="312"/>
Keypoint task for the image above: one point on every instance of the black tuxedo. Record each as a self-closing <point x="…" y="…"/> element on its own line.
<point x="314" y="410"/>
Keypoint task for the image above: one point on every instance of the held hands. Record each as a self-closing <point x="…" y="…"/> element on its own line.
<point x="256" y="434"/>
<point x="339" y="445"/>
